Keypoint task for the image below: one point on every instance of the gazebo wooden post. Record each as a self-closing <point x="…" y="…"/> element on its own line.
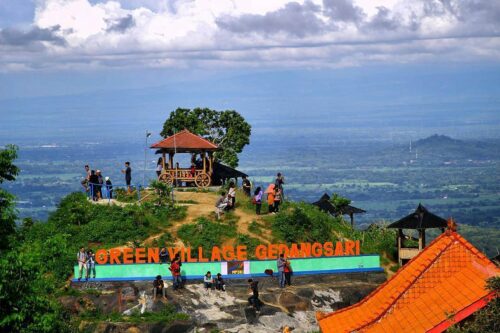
<point x="171" y="160"/>
<point x="421" y="239"/>
<point x="400" y="245"/>
<point x="204" y="161"/>
<point x="351" y="215"/>
<point x="163" y="160"/>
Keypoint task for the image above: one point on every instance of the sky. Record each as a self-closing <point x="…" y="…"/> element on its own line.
<point x="370" y="60"/>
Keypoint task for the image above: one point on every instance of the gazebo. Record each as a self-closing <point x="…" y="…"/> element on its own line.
<point x="187" y="142"/>
<point x="326" y="205"/>
<point x="419" y="220"/>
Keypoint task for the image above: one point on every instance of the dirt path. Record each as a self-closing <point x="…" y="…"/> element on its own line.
<point x="205" y="206"/>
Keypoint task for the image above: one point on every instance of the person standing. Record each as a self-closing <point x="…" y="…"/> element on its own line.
<point x="159" y="167"/>
<point x="270" y="198"/>
<point x="159" y="287"/>
<point x="93" y="183"/>
<point x="254" y="300"/>
<point x="81" y="257"/>
<point x="128" y="176"/>
<point x="232" y="194"/>
<point x="247" y="186"/>
<point x="90" y="264"/>
<point x="85" y="181"/>
<point x="277" y="200"/>
<point x="163" y="256"/>
<point x="100" y="182"/>
<point x="109" y="187"/>
<point x="257" y="199"/>
<point x="281" y="270"/>
<point x="280" y="180"/>
<point x="175" y="269"/>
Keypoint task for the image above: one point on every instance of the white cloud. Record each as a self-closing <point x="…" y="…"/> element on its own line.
<point x="273" y="33"/>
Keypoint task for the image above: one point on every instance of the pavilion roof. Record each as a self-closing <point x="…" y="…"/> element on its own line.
<point x="184" y="141"/>
<point x="446" y="277"/>
<point x="326" y="205"/>
<point x="420" y="219"/>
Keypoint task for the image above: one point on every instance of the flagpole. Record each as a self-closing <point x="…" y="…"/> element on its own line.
<point x="148" y="134"/>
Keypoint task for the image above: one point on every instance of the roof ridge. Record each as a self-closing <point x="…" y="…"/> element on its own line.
<point x="399" y="272"/>
<point x="413" y="281"/>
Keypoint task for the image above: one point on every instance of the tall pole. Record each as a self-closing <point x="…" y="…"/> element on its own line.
<point x="148" y="134"/>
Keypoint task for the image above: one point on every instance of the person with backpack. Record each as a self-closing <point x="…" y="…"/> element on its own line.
<point x="257" y="199"/>
<point x="90" y="264"/>
<point x="175" y="269"/>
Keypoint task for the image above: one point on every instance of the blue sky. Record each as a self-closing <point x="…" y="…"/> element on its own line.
<point x="392" y="62"/>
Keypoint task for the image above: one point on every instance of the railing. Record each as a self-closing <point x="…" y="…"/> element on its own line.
<point x="408" y="252"/>
<point x="184" y="174"/>
<point x="93" y="188"/>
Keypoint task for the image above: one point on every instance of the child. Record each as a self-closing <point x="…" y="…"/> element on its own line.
<point x="208" y="281"/>
<point x="277" y="200"/>
<point x="219" y="283"/>
<point x="257" y="199"/>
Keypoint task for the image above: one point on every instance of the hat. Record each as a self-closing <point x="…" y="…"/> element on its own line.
<point x="98" y="170"/>
<point x="106" y="178"/>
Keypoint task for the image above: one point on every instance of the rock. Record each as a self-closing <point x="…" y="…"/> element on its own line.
<point x="293" y="302"/>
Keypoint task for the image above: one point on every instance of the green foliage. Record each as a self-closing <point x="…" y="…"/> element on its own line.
<point x="166" y="315"/>
<point x="122" y="195"/>
<point x="205" y="233"/>
<point x="488" y="318"/>
<point x="228" y="129"/>
<point x="8" y="171"/>
<point x="250" y="242"/>
<point x="302" y="222"/>
<point x="26" y="304"/>
<point x="255" y="228"/>
<point x="339" y="202"/>
<point x="162" y="192"/>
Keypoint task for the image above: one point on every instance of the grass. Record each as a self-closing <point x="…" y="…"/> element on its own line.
<point x="165" y="315"/>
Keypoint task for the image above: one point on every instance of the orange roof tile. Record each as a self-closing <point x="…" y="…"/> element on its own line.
<point x="185" y="140"/>
<point x="448" y="277"/>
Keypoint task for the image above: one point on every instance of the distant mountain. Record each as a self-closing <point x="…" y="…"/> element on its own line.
<point x="443" y="147"/>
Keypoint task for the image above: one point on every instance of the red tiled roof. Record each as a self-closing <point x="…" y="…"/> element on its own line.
<point x="448" y="277"/>
<point x="185" y="140"/>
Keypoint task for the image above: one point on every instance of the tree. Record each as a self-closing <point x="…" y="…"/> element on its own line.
<point x="8" y="172"/>
<point x="228" y="129"/>
<point x="162" y="190"/>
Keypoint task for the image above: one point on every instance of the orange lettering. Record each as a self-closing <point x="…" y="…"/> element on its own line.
<point x="294" y="251"/>
<point x="317" y="250"/>
<point x="153" y="255"/>
<point x="172" y="252"/>
<point x="349" y="248"/>
<point x="241" y="252"/>
<point x="339" y="250"/>
<point x="272" y="251"/>
<point x="283" y="248"/>
<point x="114" y="256"/>
<point x="228" y="253"/>
<point x="200" y="255"/>
<point x="328" y="249"/>
<point x="260" y="252"/>
<point x="216" y="254"/>
<point x="189" y="258"/>
<point x="305" y="249"/>
<point x="140" y="255"/>
<point x="101" y="256"/>
<point x="357" y="248"/>
<point x="127" y="256"/>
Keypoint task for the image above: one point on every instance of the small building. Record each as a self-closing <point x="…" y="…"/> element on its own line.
<point x="442" y="285"/>
<point x="326" y="205"/>
<point x="419" y="220"/>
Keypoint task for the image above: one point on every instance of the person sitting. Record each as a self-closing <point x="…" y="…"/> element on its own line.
<point x="163" y="256"/>
<point x="208" y="281"/>
<point x="221" y="205"/>
<point x="219" y="283"/>
<point x="159" y="287"/>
